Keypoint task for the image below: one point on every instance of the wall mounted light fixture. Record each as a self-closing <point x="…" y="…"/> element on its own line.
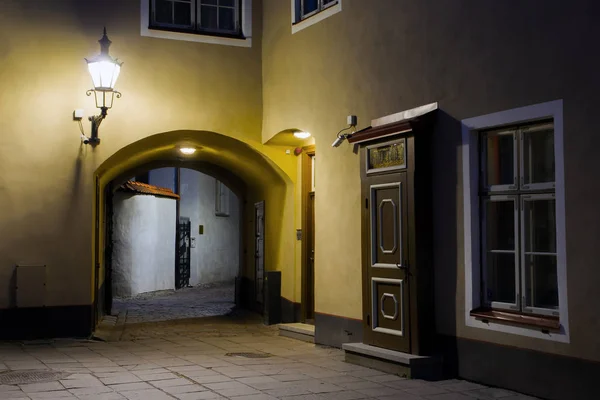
<point x="104" y="71"/>
<point x="340" y="137"/>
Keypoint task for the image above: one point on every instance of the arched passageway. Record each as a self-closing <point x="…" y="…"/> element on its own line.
<point x="250" y="175"/>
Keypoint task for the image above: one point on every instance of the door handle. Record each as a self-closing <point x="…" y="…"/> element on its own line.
<point x="402" y="266"/>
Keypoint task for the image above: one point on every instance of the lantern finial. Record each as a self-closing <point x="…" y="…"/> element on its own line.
<point x="104" y="43"/>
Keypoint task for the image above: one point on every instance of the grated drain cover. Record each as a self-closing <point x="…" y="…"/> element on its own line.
<point x="249" y="355"/>
<point x="22" y="377"/>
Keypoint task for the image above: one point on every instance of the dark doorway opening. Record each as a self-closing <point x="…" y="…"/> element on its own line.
<point x="308" y="235"/>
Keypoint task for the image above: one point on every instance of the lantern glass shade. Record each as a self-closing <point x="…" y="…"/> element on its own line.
<point x="104" y="74"/>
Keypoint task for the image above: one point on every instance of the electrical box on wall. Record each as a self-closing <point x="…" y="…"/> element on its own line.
<point x="298" y="234"/>
<point x="200" y="229"/>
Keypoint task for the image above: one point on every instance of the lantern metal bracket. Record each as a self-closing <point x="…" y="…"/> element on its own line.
<point x="96" y="120"/>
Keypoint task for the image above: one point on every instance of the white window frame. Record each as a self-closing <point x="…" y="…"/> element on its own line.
<point x="300" y="22"/>
<point x="221" y="199"/>
<point x="501" y="198"/>
<point x="524" y="254"/>
<point x="470" y="153"/>
<point x="199" y="37"/>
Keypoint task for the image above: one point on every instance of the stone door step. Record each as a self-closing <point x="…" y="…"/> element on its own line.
<point x="298" y="331"/>
<point x="393" y="362"/>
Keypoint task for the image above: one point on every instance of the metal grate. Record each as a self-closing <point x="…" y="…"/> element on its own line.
<point x="22" y="377"/>
<point x="249" y="355"/>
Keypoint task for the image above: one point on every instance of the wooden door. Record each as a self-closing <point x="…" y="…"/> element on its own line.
<point x="310" y="260"/>
<point x="386" y="269"/>
<point x="259" y="254"/>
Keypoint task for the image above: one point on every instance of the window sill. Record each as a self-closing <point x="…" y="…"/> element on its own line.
<point x="196" y="36"/>
<point x="315" y="18"/>
<point x="541" y="322"/>
<point x="229" y="35"/>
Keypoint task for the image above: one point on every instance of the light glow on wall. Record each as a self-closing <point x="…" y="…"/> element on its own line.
<point x="187" y="150"/>
<point x="302" y="135"/>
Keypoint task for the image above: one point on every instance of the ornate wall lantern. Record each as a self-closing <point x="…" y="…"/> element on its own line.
<point x="104" y="71"/>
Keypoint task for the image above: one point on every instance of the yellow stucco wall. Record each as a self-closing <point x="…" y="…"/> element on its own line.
<point x="47" y="176"/>
<point x="391" y="56"/>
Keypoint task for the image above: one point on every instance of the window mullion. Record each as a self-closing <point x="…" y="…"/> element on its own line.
<point x="520" y="230"/>
<point x="516" y="163"/>
<point x="195" y="13"/>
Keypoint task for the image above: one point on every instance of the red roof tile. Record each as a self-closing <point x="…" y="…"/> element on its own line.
<point x="144" y="188"/>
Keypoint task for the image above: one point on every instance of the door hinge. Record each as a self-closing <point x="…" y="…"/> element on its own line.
<point x="368" y="320"/>
<point x="366" y="203"/>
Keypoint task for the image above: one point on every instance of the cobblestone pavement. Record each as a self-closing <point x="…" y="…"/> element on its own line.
<point x="191" y="360"/>
<point x="193" y="302"/>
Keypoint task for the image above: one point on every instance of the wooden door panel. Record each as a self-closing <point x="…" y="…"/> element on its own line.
<point x="386" y="285"/>
<point x="386" y="225"/>
<point x="387" y="306"/>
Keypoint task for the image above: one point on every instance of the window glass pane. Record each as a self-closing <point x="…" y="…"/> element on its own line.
<point x="500" y="225"/>
<point x="310" y="6"/>
<point x="226" y="19"/>
<point x="500" y="277"/>
<point x="499" y="163"/>
<point x="499" y="231"/>
<point x="227" y="3"/>
<point x="183" y="14"/>
<point x="325" y="2"/>
<point x="541" y="282"/>
<point x="208" y="17"/>
<point x="539" y="219"/>
<point x="538" y="155"/>
<point x="163" y="12"/>
<point x="208" y="2"/>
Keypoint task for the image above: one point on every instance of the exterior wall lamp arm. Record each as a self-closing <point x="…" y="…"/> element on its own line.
<point x="96" y="120"/>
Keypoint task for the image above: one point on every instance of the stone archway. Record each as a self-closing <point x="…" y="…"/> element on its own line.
<point x="250" y="174"/>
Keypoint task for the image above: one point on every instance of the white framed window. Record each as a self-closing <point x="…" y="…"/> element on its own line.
<point x="221" y="199"/>
<point x="226" y="22"/>
<point x="308" y="12"/>
<point x="514" y="218"/>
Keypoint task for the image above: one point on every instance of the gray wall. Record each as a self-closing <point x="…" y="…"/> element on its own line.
<point x="144" y="244"/>
<point x="216" y="256"/>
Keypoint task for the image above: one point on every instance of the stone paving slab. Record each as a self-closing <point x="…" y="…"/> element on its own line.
<point x="178" y="356"/>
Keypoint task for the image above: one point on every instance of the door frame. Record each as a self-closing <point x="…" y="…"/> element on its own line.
<point x="306" y="187"/>
<point x="259" y="300"/>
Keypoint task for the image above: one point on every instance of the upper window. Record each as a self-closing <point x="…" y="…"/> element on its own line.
<point x="221" y="199"/>
<point x="518" y="219"/>
<point x="200" y="16"/>
<point x="308" y="8"/>
<point x="224" y="22"/>
<point x="308" y="12"/>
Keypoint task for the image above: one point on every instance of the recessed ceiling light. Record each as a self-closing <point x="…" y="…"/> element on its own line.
<point x="301" y="135"/>
<point x="187" y="150"/>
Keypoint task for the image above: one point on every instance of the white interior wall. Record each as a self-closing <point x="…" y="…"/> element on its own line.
<point x="216" y="255"/>
<point x="143" y="244"/>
